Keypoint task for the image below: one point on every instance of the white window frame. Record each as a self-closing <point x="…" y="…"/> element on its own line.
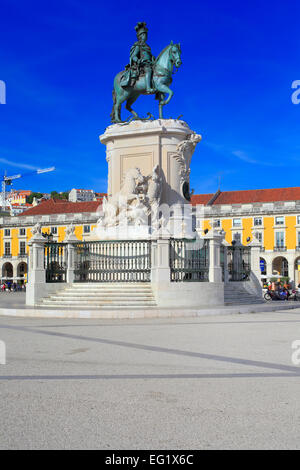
<point x="86" y="231"/>
<point x="275" y="243"/>
<point x="257" y="225"/>
<point x="234" y="225"/>
<point x="281" y="217"/>
<point x="261" y="235"/>
<point x="20" y="244"/>
<point x="5" y="245"/>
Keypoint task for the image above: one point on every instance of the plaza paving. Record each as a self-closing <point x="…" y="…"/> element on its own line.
<point x="201" y="383"/>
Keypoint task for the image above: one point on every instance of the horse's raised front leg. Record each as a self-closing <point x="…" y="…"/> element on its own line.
<point x="166" y="90"/>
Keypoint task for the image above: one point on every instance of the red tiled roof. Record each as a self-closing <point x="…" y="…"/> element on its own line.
<point x="200" y="198"/>
<point x="60" y="206"/>
<point x="15" y="204"/>
<point x="250" y="196"/>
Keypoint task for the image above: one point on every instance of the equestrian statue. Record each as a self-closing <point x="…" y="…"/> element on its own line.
<point x="145" y="75"/>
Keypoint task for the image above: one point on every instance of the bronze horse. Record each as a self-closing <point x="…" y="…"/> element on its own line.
<point x="162" y="78"/>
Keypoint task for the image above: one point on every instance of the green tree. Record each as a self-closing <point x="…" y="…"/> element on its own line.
<point x="29" y="199"/>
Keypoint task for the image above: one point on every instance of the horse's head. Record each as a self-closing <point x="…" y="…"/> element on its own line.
<point x="175" y="54"/>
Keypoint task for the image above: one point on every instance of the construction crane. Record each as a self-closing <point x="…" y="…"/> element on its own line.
<point x="7" y="181"/>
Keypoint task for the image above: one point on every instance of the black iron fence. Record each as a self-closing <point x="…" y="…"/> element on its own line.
<point x="113" y="261"/>
<point x="222" y="261"/>
<point x="130" y="261"/>
<point x="239" y="262"/>
<point x="189" y="260"/>
<point x="56" y="262"/>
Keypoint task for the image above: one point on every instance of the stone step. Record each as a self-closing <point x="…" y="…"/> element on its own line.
<point x="98" y="307"/>
<point x="106" y="290"/>
<point x="120" y="304"/>
<point x="103" y="294"/>
<point x="99" y="299"/>
<point x="100" y="285"/>
<point x="245" y="297"/>
<point x="243" y="303"/>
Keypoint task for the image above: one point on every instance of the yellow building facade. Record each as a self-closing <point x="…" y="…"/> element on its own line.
<point x="276" y="225"/>
<point x="15" y="233"/>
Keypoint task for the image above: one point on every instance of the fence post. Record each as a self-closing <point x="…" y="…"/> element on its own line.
<point x="35" y="287"/>
<point x="70" y="240"/>
<point x="255" y="258"/>
<point x="160" y="271"/>
<point x="226" y="273"/>
<point x="215" y="238"/>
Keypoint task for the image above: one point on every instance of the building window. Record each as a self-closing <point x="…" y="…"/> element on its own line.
<point x="7" y="232"/>
<point x="7" y="248"/>
<point x="217" y="223"/>
<point x="298" y="219"/>
<point x="86" y="229"/>
<point x="237" y="222"/>
<point x="22" y="231"/>
<point x="22" y="248"/>
<point x="279" y="239"/>
<point x="257" y="221"/>
<point x="54" y="230"/>
<point x="298" y="235"/>
<point x="258" y="235"/>
<point x="279" y="220"/>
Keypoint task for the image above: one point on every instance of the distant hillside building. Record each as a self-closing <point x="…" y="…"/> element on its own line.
<point x="81" y="195"/>
<point x="18" y="196"/>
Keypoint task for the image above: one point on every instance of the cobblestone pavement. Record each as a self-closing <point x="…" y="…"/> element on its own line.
<point x="12" y="299"/>
<point x="200" y="383"/>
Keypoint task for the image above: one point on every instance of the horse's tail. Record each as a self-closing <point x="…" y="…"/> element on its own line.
<point x="112" y="116"/>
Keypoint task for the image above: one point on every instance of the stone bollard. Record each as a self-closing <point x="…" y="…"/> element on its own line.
<point x="215" y="238"/>
<point x="255" y="265"/>
<point x="35" y="288"/>
<point x="160" y="270"/>
<point x="255" y="257"/>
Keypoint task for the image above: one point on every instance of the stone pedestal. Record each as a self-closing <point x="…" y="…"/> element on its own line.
<point x="167" y="143"/>
<point x="215" y="238"/>
<point x="35" y="288"/>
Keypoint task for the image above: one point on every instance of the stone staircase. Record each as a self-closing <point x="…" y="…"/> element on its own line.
<point x="235" y="294"/>
<point x="102" y="296"/>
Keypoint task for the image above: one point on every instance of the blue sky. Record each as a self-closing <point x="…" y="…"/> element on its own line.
<point x="59" y="58"/>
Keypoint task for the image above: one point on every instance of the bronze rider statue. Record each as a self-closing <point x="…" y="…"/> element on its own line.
<point x="141" y="60"/>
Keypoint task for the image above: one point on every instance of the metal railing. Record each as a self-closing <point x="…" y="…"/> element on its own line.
<point x="56" y="262"/>
<point x="280" y="248"/>
<point x="239" y="262"/>
<point x="189" y="260"/>
<point x="113" y="261"/>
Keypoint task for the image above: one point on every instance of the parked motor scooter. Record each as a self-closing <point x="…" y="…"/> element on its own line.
<point x="276" y="295"/>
